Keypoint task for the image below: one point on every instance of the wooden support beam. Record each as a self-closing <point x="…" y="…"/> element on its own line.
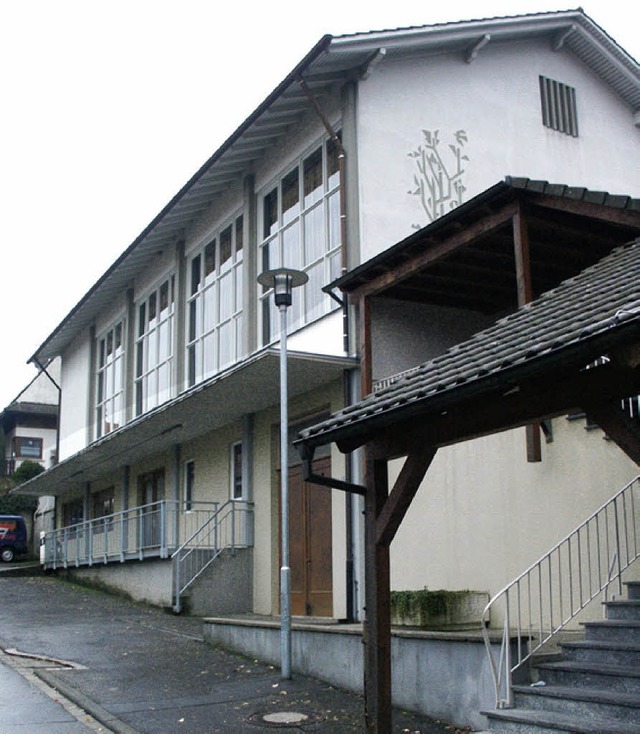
<point x="377" y="624"/>
<point x="435" y="250"/>
<point x="404" y="490"/>
<point x="618" y="426"/>
<point x="524" y="282"/>
<point x="366" y="368"/>
<point x="556" y="394"/>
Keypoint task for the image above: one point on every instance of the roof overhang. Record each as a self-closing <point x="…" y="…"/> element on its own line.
<point x="249" y="387"/>
<point x="533" y="364"/>
<point x="329" y="63"/>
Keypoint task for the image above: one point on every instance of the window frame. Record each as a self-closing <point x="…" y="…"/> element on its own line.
<point x="18" y="450"/>
<point x="150" y="360"/>
<point x="110" y="366"/>
<point x="301" y="230"/>
<point x="214" y="315"/>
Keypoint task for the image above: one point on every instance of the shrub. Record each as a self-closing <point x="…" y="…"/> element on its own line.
<point x="27" y="470"/>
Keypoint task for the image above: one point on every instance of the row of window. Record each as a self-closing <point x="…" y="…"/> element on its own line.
<point x="300" y="229"/>
<point x="151" y="489"/>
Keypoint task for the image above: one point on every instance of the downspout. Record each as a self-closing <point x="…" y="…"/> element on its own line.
<point x="335" y="138"/>
<point x="343" y="302"/>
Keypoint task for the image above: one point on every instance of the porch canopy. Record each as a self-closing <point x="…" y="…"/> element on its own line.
<point x="251" y="386"/>
<point x="503" y="248"/>
<point x="543" y="360"/>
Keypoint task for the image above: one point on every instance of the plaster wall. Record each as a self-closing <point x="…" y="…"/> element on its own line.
<point x="321" y="337"/>
<point x="75" y="383"/>
<point x="41" y="389"/>
<point x="483" y="514"/>
<point x="494" y="119"/>
<point x="212" y="456"/>
<point x="407" y="334"/>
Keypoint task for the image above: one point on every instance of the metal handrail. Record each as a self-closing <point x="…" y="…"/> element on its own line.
<point x="552" y="591"/>
<point x="228" y="528"/>
<point x="138" y="532"/>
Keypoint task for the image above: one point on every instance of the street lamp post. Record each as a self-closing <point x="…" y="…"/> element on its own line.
<point x="283" y="281"/>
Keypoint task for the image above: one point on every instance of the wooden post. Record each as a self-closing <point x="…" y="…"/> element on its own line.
<point x="366" y="369"/>
<point x="525" y="295"/>
<point x="377" y="625"/>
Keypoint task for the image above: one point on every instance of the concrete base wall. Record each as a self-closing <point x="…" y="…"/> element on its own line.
<point x="146" y="581"/>
<point x="442" y="675"/>
<point x="224" y="588"/>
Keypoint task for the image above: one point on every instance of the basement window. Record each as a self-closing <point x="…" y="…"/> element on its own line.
<point x="559" y="110"/>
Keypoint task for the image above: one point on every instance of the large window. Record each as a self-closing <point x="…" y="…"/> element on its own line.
<point x="214" y="325"/>
<point x="27" y="448"/>
<point x="154" y="347"/>
<point x="301" y="230"/>
<point x="103" y="503"/>
<point x="110" y="381"/>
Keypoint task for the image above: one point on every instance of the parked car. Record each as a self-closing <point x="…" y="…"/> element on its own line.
<point x="13" y="537"/>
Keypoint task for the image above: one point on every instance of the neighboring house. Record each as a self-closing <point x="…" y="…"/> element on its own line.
<point x="30" y="423"/>
<point x="30" y="433"/>
<point x="170" y="382"/>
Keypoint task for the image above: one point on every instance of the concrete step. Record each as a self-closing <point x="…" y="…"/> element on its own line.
<point x="623" y="609"/>
<point x="526" y="721"/>
<point x="613" y="630"/>
<point x="618" y="678"/>
<point x="604" y="652"/>
<point x="633" y="589"/>
<point x="581" y="702"/>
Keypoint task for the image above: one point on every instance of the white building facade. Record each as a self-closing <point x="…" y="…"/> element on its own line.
<point x="169" y="413"/>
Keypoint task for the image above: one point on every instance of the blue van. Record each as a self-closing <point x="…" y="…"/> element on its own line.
<point x="13" y="537"/>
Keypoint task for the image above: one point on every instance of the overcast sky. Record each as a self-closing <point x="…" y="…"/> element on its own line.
<point x="108" y="108"/>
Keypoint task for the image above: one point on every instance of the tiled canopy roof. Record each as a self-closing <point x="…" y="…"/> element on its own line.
<point x="572" y="324"/>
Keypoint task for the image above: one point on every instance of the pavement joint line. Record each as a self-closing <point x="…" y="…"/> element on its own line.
<point x="51" y="689"/>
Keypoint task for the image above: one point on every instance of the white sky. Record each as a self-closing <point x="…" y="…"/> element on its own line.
<point x="109" y="107"/>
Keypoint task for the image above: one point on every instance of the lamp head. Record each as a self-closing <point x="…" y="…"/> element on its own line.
<point x="283" y="281"/>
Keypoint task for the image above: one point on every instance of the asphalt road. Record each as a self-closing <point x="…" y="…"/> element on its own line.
<point x="133" y="669"/>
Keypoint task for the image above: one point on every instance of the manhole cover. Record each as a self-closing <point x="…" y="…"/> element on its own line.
<point x="284" y="719"/>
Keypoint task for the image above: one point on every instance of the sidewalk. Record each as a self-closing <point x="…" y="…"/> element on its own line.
<point x="26" y="707"/>
<point x="141" y="671"/>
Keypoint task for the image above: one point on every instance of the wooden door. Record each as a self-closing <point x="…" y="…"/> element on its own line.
<point x="310" y="546"/>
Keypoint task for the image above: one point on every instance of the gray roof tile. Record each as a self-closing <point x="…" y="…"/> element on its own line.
<point x="600" y="300"/>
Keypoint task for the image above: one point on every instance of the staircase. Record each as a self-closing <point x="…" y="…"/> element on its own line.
<point x="595" y="685"/>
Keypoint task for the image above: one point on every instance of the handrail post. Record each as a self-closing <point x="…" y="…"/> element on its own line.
<point x="617" y="529"/>
<point x="90" y="543"/>
<point x="507" y="643"/>
<point x="122" y="536"/>
<point x="233" y="528"/>
<point x="163" y="529"/>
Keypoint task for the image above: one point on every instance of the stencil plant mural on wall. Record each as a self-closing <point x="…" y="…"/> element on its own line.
<point x="438" y="183"/>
